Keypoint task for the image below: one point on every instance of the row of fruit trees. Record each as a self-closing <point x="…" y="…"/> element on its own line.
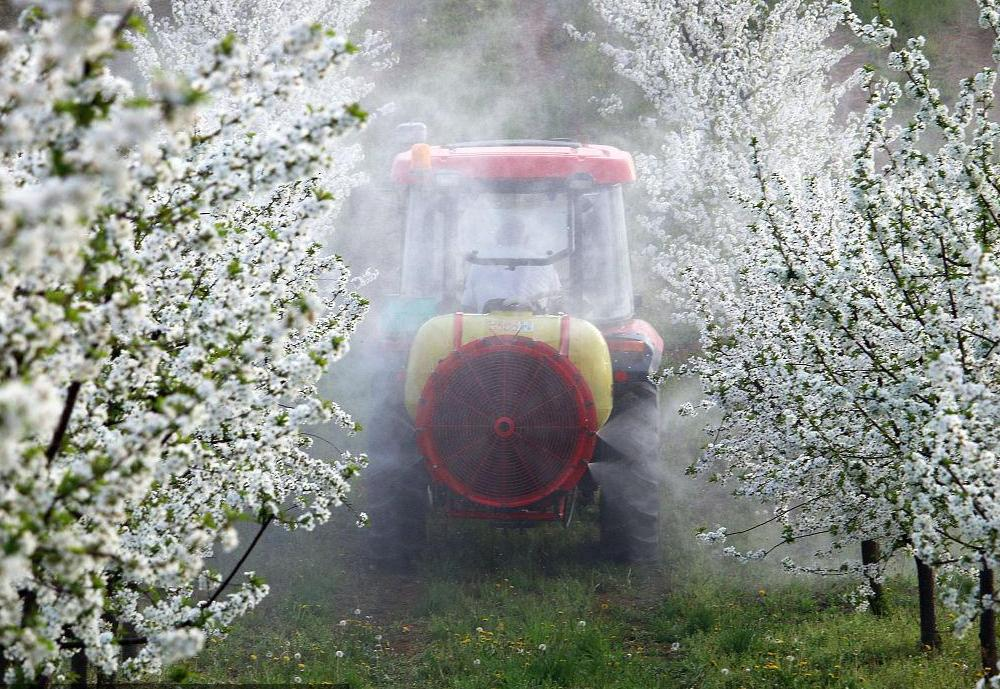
<point x="166" y="310"/>
<point x="167" y="305"/>
<point x="841" y="271"/>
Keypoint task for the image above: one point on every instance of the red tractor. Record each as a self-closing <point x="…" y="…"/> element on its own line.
<point x="523" y="372"/>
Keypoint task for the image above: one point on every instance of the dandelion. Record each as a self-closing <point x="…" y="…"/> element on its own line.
<point x="342" y="623"/>
<point x="378" y="637"/>
<point x="581" y="624"/>
<point x="724" y="670"/>
<point x="479" y="630"/>
<point x="675" y="646"/>
<point x="339" y="654"/>
<point x="297" y="679"/>
<point x="542" y="647"/>
<point x="477" y="662"/>
<point x="253" y="656"/>
<point x="357" y="611"/>
<point x="790" y="659"/>
<point x="297" y="656"/>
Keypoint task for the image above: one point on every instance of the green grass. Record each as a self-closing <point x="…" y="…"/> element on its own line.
<point x="696" y="620"/>
<point x="491" y="608"/>
<point x="798" y="636"/>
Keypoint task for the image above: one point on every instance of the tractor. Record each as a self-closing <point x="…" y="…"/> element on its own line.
<point x="521" y="381"/>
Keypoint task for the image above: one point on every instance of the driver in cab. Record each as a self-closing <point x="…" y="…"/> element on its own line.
<point x="508" y="286"/>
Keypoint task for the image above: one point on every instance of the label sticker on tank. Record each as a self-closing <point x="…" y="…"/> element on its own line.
<point x="509" y="327"/>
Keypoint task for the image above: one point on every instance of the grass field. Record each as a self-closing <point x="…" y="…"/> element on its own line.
<point x="497" y="608"/>
<point x="493" y="608"/>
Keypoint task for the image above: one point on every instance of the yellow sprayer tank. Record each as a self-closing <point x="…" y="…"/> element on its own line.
<point x="584" y="344"/>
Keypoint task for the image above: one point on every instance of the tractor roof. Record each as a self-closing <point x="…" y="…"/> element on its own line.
<point x="520" y="159"/>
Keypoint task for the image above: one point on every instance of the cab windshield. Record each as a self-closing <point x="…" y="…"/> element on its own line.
<point x="563" y="249"/>
<point x="517" y="226"/>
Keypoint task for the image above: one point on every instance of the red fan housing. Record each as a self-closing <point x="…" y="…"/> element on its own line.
<point x="506" y="421"/>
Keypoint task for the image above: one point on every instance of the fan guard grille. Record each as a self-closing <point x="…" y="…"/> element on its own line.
<point x="506" y="421"/>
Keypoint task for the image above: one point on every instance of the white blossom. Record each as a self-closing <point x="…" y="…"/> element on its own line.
<point x="162" y="330"/>
<point x="842" y="276"/>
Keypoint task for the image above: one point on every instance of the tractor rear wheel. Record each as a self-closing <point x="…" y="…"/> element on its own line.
<point x="395" y="496"/>
<point x="629" y="474"/>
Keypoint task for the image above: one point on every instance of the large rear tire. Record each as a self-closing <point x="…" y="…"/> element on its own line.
<point x="395" y="494"/>
<point x="629" y="474"/>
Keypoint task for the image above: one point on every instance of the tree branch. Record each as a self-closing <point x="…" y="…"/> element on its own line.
<point x="60" y="433"/>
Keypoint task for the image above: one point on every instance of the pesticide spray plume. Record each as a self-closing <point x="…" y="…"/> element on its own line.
<point x="507" y="72"/>
<point x="506" y="76"/>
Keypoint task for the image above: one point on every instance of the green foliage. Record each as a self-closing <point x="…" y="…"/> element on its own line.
<point x="227" y="44"/>
<point x="737" y="639"/>
<point x="177" y="674"/>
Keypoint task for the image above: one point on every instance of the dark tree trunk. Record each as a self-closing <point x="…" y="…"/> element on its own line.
<point x="78" y="665"/>
<point x="29" y="608"/>
<point x="870" y="555"/>
<point x="132" y="644"/>
<point x="987" y="625"/>
<point x="930" y="639"/>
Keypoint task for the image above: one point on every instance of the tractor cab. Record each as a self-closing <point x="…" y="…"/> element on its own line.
<point x="525" y="376"/>
<point x="532" y="224"/>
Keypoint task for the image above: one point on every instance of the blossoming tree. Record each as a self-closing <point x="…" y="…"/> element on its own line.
<point x="850" y="342"/>
<point x="722" y="76"/>
<point x="888" y="271"/>
<point x="162" y="331"/>
<point x="717" y="74"/>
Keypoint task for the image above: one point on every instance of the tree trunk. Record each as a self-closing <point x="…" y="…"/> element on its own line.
<point x="29" y="608"/>
<point x="131" y="647"/>
<point x="987" y="625"/>
<point x="78" y="666"/>
<point x="870" y="555"/>
<point x="930" y="639"/>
